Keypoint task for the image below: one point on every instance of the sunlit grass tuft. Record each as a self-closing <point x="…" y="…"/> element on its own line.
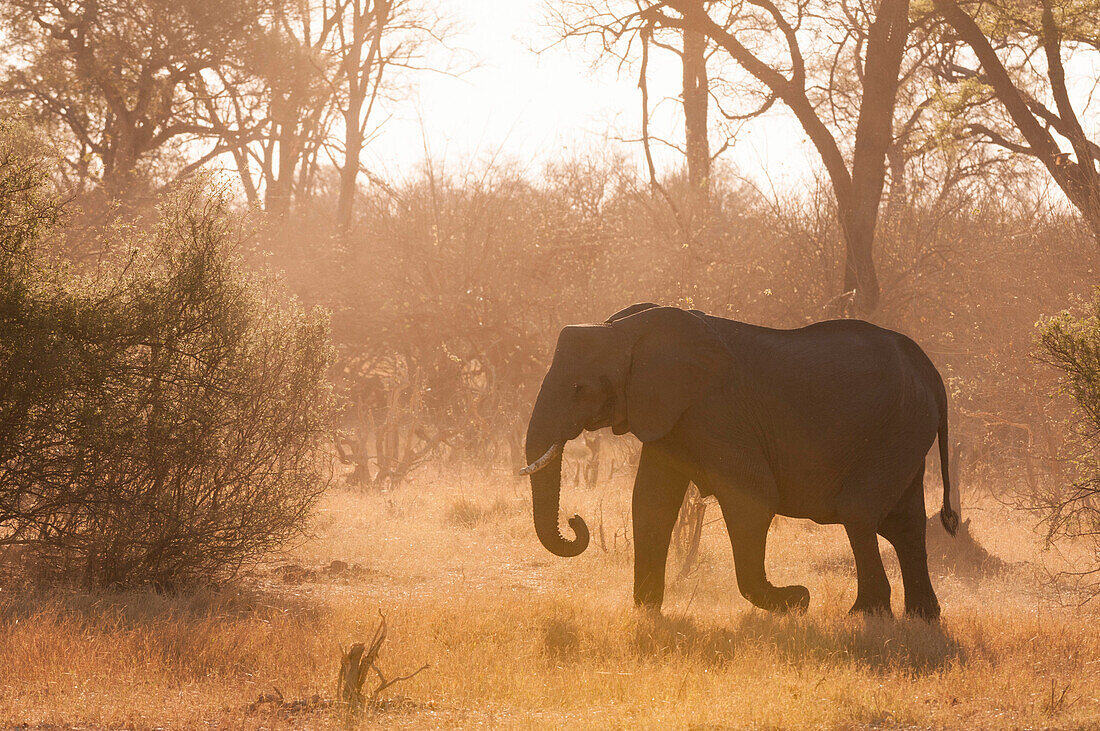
<point x="467" y="513"/>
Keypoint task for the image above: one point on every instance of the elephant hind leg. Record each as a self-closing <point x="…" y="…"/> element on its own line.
<point x="873" y="592"/>
<point x="747" y="522"/>
<point x="904" y="528"/>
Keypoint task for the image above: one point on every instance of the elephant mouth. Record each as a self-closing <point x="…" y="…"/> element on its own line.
<point x="603" y="418"/>
<point x="598" y="423"/>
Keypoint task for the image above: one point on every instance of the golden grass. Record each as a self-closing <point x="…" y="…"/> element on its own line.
<point x="520" y="639"/>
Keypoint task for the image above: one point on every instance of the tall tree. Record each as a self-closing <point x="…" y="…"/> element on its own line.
<point x="378" y="42"/>
<point x="1022" y="50"/>
<point x="294" y="68"/>
<point x="324" y="69"/>
<point x="361" y="71"/>
<point x="120" y="76"/>
<point x="837" y="66"/>
<point x="612" y="23"/>
<point x="753" y="34"/>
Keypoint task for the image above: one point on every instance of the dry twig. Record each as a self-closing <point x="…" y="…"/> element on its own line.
<point x="355" y="666"/>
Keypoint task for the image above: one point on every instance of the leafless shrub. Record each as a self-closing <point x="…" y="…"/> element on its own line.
<point x="687" y="534"/>
<point x="448" y="297"/>
<point x="387" y="436"/>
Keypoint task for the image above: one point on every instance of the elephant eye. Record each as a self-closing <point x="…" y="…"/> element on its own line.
<point x="577" y="388"/>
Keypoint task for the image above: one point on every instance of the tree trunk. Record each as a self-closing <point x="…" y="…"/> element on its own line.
<point x="696" y="98"/>
<point x="874" y="135"/>
<point x="245" y="174"/>
<point x="280" y="183"/>
<point x="120" y="162"/>
<point x="898" y="196"/>
<point x="349" y="173"/>
<point x="857" y="230"/>
<point x="368" y="23"/>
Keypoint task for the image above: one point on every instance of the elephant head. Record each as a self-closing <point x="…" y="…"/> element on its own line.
<point x="639" y="372"/>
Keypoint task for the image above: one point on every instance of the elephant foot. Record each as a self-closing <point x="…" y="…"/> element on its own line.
<point x="926" y="609"/>
<point x="783" y="599"/>
<point x="649" y="598"/>
<point x="794" y="598"/>
<point x="872" y="607"/>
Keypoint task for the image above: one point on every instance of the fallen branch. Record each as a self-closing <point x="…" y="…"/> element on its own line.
<point x="283" y="707"/>
<point x="354" y="669"/>
<point x="356" y="664"/>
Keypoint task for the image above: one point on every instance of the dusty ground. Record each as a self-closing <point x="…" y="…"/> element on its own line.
<point x="517" y="638"/>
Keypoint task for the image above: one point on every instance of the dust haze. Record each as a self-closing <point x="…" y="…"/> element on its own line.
<point x="812" y="450"/>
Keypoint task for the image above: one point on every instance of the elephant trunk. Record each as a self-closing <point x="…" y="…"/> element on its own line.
<point x="545" y="494"/>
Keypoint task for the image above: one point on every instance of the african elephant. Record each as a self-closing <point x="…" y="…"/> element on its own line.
<point x="829" y="422"/>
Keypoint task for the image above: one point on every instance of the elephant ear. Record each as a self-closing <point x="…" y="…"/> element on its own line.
<point x="676" y="360"/>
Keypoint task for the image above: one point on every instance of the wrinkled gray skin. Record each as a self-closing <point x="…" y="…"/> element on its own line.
<point x="830" y="422"/>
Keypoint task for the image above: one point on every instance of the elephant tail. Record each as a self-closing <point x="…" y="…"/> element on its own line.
<point x="948" y="516"/>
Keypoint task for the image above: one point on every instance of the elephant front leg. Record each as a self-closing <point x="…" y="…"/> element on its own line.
<point x="659" y="492"/>
<point x="747" y="522"/>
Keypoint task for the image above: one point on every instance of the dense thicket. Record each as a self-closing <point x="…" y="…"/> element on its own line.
<point x="161" y="418"/>
<point x="448" y="296"/>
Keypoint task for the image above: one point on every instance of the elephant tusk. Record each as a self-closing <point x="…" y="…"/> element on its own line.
<point x="542" y="461"/>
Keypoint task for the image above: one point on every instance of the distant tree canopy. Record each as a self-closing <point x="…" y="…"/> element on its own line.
<point x="1019" y="96"/>
<point x="122" y="82"/>
<point x="140" y="93"/>
<point x="877" y="86"/>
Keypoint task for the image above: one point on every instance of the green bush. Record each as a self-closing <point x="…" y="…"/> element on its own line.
<point x="160" y="422"/>
<point x="1071" y="509"/>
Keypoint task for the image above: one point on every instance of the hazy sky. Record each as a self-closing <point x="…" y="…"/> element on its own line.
<point x="524" y="107"/>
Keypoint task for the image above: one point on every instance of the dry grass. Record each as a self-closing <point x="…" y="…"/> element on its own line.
<point x="465" y="512"/>
<point x="520" y="639"/>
